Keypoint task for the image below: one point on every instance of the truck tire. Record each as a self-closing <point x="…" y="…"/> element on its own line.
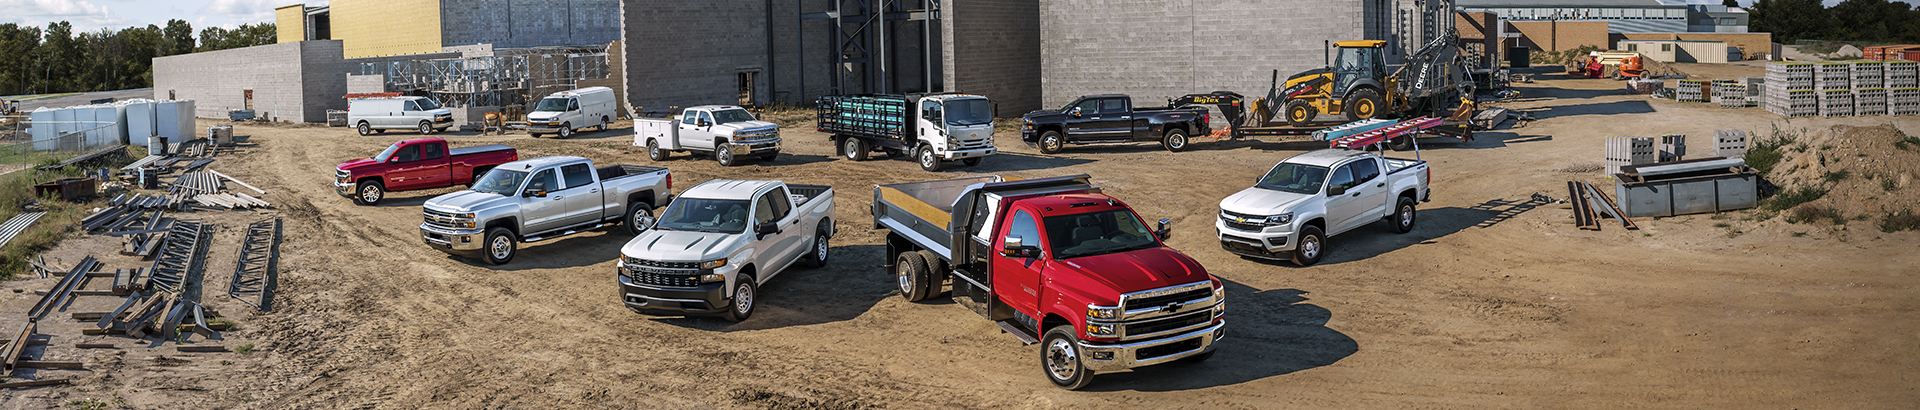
<point x="500" y="246"/>
<point x="1363" y="104"/>
<point x="929" y="161"/>
<point x="936" y="272"/>
<point x="654" y="152"/>
<point x="1299" y="113"/>
<point x="817" y="254"/>
<point x="971" y="161"/>
<point x="910" y="271"/>
<point x="426" y="128"/>
<point x="566" y="130"/>
<point x="854" y="149"/>
<point x="1402" y="218"/>
<point x="364" y="128"/>
<point x="1052" y="143"/>
<point x="723" y="154"/>
<point x="639" y="218"/>
<point x="603" y="123"/>
<point x="1175" y="140"/>
<point x="1401" y="144"/>
<point x="744" y="292"/>
<point x="1060" y="359"/>
<point x="1313" y="245"/>
<point x="369" y="193"/>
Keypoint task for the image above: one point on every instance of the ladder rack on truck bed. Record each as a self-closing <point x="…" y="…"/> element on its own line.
<point x="1384" y="134"/>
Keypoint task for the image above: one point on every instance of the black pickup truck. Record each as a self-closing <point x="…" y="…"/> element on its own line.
<point x="1109" y="118"/>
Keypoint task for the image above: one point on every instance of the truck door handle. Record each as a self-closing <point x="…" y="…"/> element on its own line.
<point x="1126" y="118"/>
<point x="1356" y="195"/>
<point x="1380" y="185"/>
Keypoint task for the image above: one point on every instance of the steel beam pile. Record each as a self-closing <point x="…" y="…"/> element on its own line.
<point x="182" y="252"/>
<point x="16" y="225"/>
<point x="63" y="288"/>
<point x="1589" y="204"/>
<point x="205" y="189"/>
<point x="255" y="273"/>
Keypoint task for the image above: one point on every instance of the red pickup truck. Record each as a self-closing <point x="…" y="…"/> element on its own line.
<point x="1056" y="262"/>
<point x="415" y="164"/>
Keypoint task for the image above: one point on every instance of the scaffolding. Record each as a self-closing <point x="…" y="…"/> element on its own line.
<point x="509" y="77"/>
<point x="860" y="51"/>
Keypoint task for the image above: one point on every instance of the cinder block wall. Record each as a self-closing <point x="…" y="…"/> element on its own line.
<point x="1563" y="35"/>
<point x="217" y="80"/>
<point x="1154" y="50"/>
<point x="992" y="48"/>
<point x="529" y="23"/>
<point x="688" y="53"/>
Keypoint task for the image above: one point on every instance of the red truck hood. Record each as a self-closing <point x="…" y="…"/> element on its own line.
<point x="1138" y="270"/>
<point x="350" y="165"/>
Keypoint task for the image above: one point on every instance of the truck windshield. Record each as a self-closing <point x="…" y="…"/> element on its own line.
<point x="427" y="104"/>
<point x="386" y="154"/>
<point x="1097" y="233"/>
<point x="705" y="215"/>
<point x="969" y="112"/>
<point x="1295" y="178"/>
<point x="731" y="116"/>
<point x="551" y="104"/>
<point x="501" y="182"/>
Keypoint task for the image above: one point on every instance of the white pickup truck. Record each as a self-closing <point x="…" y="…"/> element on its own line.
<point x="1291" y="211"/>
<point x="729" y="132"/>
<point x="711" y="250"/>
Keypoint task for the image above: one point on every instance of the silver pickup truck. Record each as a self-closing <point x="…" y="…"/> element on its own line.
<point x="539" y="199"/>
<point x="720" y="241"/>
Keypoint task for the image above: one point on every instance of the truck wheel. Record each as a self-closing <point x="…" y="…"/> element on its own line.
<point x="369" y="193"/>
<point x="1175" y="141"/>
<point x="1401" y="144"/>
<point x="1060" y="358"/>
<point x="639" y="218"/>
<point x="854" y="148"/>
<point x="911" y="272"/>
<point x="654" y="152"/>
<point x="1313" y="245"/>
<point x="936" y="272"/>
<point x="365" y="129"/>
<point x="500" y="246"/>
<point x="724" y="155"/>
<point x="971" y="161"/>
<point x="1051" y="143"/>
<point x="566" y="130"/>
<point x="1363" y="105"/>
<point x="426" y="128"/>
<point x="743" y="299"/>
<point x="603" y="123"/>
<point x="1403" y="216"/>
<point x="817" y="255"/>
<point x="1299" y="113"/>
<point x="929" y="161"/>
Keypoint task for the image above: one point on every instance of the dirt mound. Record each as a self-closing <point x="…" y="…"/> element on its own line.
<point x="1862" y="173"/>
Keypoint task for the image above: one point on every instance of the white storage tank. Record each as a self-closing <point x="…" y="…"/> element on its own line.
<point x="139" y="122"/>
<point x="43" y="128"/>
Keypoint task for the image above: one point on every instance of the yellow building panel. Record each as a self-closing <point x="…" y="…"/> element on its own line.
<point x="291" y="23"/>
<point x="373" y="28"/>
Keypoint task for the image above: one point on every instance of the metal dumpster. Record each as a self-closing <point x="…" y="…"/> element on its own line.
<point x="1686" y="187"/>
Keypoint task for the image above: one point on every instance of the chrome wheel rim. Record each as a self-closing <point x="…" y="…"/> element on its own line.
<point x="364" y="130"/>
<point x="905" y="276"/>
<point x="1061" y="359"/>
<point x="726" y="154"/>
<point x="566" y="130"/>
<point x="852" y="149"/>
<point x="820" y="249"/>
<point x="1406" y="216"/>
<point x="501" y="247"/>
<point x="743" y="298"/>
<point x="641" y="220"/>
<point x="927" y="159"/>
<point x="1177" y="141"/>
<point x="426" y="128"/>
<point x="653" y="149"/>
<point x="1311" y="247"/>
<point x="370" y="194"/>
<point x="1052" y="143"/>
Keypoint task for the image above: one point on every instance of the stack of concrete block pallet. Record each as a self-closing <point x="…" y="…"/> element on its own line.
<point x="1644" y="85"/>
<point x="1790" y="91"/>
<point x="1729" y="93"/>
<point x="1756" y="89"/>
<point x="1691" y="91"/>
<point x="1730" y="143"/>
<point x="1626" y="151"/>
<point x="1903" y="87"/>
<point x="1673" y="147"/>
<point x="1835" y="82"/>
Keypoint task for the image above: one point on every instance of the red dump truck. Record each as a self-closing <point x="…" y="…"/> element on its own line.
<point x="415" y="164"/>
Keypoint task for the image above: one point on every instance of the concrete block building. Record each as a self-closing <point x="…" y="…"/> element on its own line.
<point x="371" y="28"/>
<point x="291" y="82"/>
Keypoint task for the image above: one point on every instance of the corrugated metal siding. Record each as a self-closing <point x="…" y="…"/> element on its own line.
<point x="372" y="28"/>
<point x="1647" y="26"/>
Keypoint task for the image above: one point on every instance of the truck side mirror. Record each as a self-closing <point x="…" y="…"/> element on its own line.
<point x="702" y="123"/>
<point x="538" y="190"/>
<point x="762" y="230"/>
<point x="1016" y="247"/>
<point x="1336" y="190"/>
<point x="1075" y="112"/>
<point x="1165" y="231"/>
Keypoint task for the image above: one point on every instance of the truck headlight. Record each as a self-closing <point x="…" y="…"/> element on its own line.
<point x="1099" y="330"/>
<point x="713" y="264"/>
<point x="1103" y="312"/>
<point x="464" y="220"/>
<point x="1281" y="219"/>
<point x="713" y="277"/>
<point x="1220" y="308"/>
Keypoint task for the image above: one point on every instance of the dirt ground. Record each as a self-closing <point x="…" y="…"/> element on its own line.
<point x="1494" y="300"/>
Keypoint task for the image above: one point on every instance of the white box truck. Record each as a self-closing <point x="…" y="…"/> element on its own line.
<point x="564" y="112"/>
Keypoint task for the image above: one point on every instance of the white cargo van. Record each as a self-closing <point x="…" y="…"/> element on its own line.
<point x="378" y="114"/>
<point x="563" y="112"/>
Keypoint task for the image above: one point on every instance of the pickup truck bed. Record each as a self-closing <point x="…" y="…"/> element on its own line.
<point x="620" y="171"/>
<point x="478" y="149"/>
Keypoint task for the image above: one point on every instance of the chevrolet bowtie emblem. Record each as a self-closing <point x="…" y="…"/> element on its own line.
<point x="1240" y="220"/>
<point x="1170" y="307"/>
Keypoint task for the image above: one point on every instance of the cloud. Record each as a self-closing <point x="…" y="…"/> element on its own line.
<point x="242" y="11"/>
<point x="84" y="15"/>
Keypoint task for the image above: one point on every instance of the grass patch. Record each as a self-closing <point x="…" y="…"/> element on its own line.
<point x="1907" y="143"/>
<point x="245" y="349"/>
<point x="1905" y="220"/>
<point x="1765" y="152"/>
<point x="1722" y="225"/>
<point x="1810" y="213"/>
<point x="786" y="114"/>
<point x="62" y="217"/>
<point x="1836" y="176"/>
<point x="1799" y="234"/>
<point x="1886" y="184"/>
<point x="1792" y="198"/>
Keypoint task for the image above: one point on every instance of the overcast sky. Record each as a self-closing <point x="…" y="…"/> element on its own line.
<point x="92" y="15"/>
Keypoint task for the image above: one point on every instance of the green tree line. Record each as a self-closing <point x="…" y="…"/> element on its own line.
<point x="58" y="60"/>
<point x="1873" y="21"/>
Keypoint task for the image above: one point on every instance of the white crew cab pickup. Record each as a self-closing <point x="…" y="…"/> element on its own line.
<point x="564" y="112"/>
<point x="729" y="132"/>
<point x="1291" y="211"/>
<point x="711" y="250"/>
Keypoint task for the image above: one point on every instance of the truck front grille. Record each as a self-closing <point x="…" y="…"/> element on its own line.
<point x="657" y="273"/>
<point x="1253" y="223"/>
<point x="1193" y="292"/>
<point x="657" y="279"/>
<point x="438" y="219"/>
<point x="1166" y="349"/>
